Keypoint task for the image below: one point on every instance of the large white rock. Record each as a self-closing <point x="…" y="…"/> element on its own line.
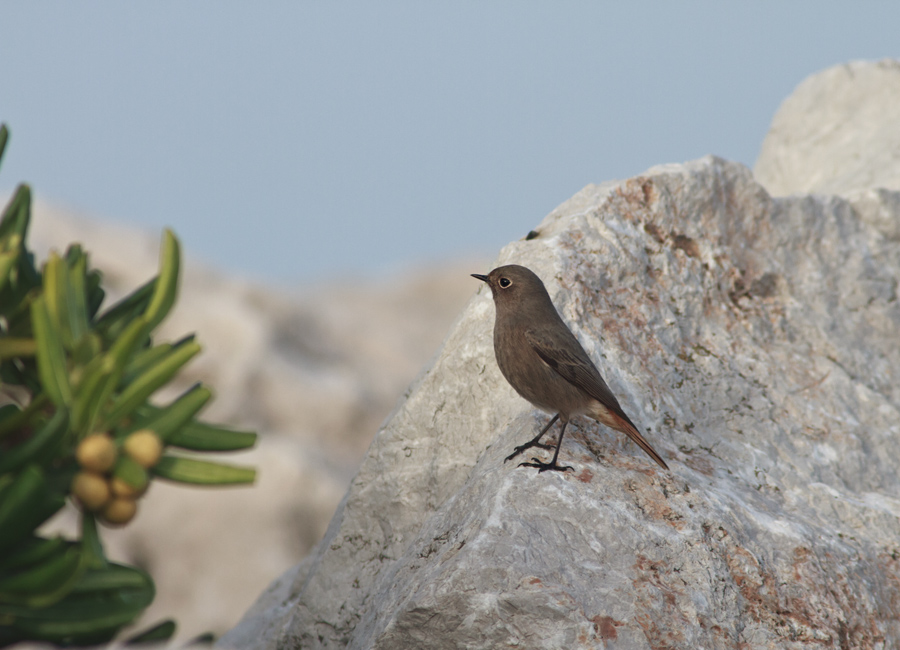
<point x="839" y="131"/>
<point x="753" y="339"/>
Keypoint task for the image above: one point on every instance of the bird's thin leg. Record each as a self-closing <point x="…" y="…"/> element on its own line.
<point x="543" y="467"/>
<point x="534" y="442"/>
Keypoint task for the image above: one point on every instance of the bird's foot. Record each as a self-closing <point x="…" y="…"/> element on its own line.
<point x="543" y="467"/>
<point x="528" y="445"/>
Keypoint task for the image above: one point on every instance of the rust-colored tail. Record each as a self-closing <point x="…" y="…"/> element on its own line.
<point x="625" y="426"/>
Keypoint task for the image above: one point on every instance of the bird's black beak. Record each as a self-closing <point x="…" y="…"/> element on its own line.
<point x="483" y="278"/>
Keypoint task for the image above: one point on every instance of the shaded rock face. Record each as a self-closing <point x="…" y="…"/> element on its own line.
<point x="754" y="340"/>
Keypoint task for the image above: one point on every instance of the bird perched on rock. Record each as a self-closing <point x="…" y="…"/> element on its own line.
<point x="545" y="363"/>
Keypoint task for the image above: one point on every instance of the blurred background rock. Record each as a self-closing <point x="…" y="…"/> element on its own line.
<point x="314" y="372"/>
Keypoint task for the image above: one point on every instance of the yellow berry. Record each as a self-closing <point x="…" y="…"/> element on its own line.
<point x="96" y="453"/>
<point x="91" y="490"/>
<point x="119" y="511"/>
<point x="144" y="447"/>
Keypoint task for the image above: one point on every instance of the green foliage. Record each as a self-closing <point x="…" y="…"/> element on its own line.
<point x="68" y="372"/>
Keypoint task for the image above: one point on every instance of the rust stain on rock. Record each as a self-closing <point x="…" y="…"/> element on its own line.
<point x="699" y="464"/>
<point x="653" y="504"/>
<point x="654" y="231"/>
<point x="685" y="243"/>
<point x="818" y="607"/>
<point x="649" y="191"/>
<point x="605" y="627"/>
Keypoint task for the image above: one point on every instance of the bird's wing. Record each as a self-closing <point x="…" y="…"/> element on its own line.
<point x="564" y="354"/>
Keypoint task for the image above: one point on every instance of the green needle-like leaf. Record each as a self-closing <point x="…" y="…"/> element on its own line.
<point x="165" y="422"/>
<point x="103" y="376"/>
<point x="51" y="358"/>
<point x="13" y="229"/>
<point x="16" y="216"/>
<point x="12" y="347"/>
<point x="31" y="551"/>
<point x="201" y="472"/>
<point x="143" y="360"/>
<point x="90" y="542"/>
<point x="120" y="315"/>
<point x="199" y="436"/>
<point x="55" y="278"/>
<point x="146" y="358"/>
<point x="111" y="578"/>
<point x="129" y="471"/>
<point x="13" y="418"/>
<point x="75" y="308"/>
<point x="4" y="138"/>
<point x="166" y="290"/>
<point x="25" y="504"/>
<point x="46" y="438"/>
<point x="148" y="383"/>
<point x="46" y="583"/>
<point x="101" y="602"/>
<point x="8" y="261"/>
<point x="156" y="634"/>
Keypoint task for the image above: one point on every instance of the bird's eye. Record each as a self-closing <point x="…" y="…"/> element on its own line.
<point x="505" y="282"/>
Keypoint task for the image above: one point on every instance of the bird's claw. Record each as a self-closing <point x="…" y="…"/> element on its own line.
<point x="518" y="450"/>
<point x="543" y="467"/>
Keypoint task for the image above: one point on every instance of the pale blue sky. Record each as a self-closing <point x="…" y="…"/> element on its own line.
<point x="292" y="141"/>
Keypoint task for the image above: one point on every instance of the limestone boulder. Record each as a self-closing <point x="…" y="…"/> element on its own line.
<point x="753" y="339"/>
<point x="838" y="132"/>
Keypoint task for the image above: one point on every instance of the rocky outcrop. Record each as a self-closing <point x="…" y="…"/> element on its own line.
<point x="754" y="340"/>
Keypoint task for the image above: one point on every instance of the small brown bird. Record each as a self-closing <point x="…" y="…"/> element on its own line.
<point x="545" y="363"/>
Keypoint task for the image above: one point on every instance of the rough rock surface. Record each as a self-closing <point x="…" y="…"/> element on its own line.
<point x="754" y="340"/>
<point x="839" y="131"/>
<point x="315" y="371"/>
